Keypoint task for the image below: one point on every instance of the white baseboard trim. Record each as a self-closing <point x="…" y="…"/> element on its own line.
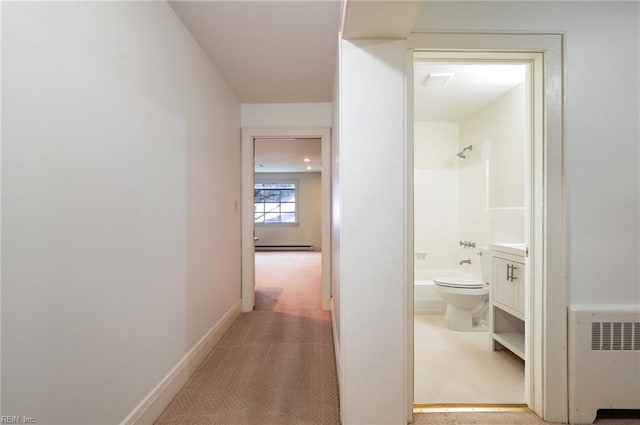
<point x="152" y="406"/>
<point x="336" y="347"/>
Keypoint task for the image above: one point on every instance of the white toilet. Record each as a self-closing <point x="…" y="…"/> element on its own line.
<point x="467" y="298"/>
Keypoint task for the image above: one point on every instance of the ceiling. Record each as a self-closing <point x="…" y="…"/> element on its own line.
<point x="268" y="51"/>
<point x="283" y="51"/>
<point x="274" y="51"/>
<point x="471" y="87"/>
<point x="288" y="155"/>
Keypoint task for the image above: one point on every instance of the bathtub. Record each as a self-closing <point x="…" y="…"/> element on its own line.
<point x="425" y="298"/>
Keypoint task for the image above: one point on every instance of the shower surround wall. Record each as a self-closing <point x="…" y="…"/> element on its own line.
<point x="436" y="194"/>
<point x="480" y="198"/>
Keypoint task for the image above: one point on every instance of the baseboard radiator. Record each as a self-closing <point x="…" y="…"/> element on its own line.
<point x="604" y="360"/>
<point x="285" y="248"/>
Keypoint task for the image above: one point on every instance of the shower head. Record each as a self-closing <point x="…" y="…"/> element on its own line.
<point x="461" y="153"/>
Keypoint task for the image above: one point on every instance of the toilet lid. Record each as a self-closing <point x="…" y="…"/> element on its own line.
<point x="459" y="282"/>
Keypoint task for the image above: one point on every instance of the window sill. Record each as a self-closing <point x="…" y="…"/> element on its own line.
<point x="277" y="224"/>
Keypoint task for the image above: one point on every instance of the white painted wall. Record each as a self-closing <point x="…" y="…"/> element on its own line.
<point x="335" y="217"/>
<point x="492" y="176"/>
<point x="372" y="245"/>
<point x="266" y="115"/>
<point x="466" y="199"/>
<point x="308" y="203"/>
<point x="500" y="126"/>
<point x="120" y="150"/>
<point x="602" y="132"/>
<point x="1" y="173"/>
<point x="436" y="194"/>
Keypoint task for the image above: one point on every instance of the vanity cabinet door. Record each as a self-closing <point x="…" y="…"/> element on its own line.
<point x="503" y="288"/>
<point x="508" y="285"/>
<point x="517" y="277"/>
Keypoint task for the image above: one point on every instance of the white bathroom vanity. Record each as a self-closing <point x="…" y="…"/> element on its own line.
<point x="507" y="298"/>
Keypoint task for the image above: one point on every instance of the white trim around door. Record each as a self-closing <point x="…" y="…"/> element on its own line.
<point x="546" y="391"/>
<point x="248" y="170"/>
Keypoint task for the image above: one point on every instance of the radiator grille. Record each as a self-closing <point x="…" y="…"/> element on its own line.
<point x="616" y="336"/>
<point x="604" y="365"/>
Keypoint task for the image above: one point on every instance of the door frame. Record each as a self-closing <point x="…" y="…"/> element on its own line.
<point x="547" y="392"/>
<point x="247" y="197"/>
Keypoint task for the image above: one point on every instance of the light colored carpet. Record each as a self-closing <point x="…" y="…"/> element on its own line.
<point x="274" y="365"/>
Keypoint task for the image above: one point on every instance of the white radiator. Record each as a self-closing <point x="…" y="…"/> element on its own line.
<point x="604" y="360"/>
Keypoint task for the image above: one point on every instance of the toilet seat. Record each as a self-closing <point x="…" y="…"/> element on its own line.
<point x="459" y="282"/>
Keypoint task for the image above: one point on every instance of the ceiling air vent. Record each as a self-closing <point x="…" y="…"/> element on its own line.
<point x="437" y="80"/>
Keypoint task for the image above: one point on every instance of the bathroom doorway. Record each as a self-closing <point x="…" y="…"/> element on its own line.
<point x="545" y="336"/>
<point x="471" y="139"/>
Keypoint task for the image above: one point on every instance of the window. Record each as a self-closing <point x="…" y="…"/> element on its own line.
<point x="275" y="202"/>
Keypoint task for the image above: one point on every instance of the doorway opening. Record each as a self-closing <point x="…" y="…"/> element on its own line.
<point x="285" y="205"/>
<point x="472" y="138"/>
<point x="543" y="324"/>
<point x="287" y="221"/>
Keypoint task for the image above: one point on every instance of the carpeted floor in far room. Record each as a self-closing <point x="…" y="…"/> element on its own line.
<point x="275" y="365"/>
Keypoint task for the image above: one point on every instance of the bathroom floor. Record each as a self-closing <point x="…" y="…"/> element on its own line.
<point x="460" y="367"/>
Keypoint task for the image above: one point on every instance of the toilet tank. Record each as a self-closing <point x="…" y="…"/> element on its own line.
<point x="486" y="263"/>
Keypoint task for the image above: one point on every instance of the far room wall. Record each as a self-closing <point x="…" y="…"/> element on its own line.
<point x="308" y="208"/>
<point x="292" y="115"/>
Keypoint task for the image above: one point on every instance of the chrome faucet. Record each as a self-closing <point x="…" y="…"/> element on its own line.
<point x="465" y="262"/>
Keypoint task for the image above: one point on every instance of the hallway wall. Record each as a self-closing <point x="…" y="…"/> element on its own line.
<point x="268" y="115"/>
<point x="120" y="182"/>
<point x="371" y="247"/>
<point x="335" y="218"/>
